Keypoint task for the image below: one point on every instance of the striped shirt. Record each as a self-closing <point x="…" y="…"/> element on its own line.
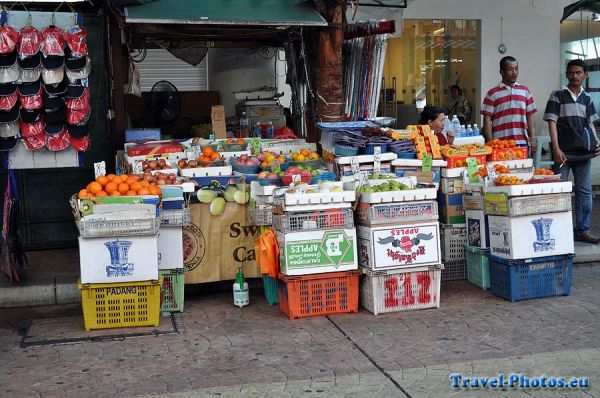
<point x="509" y="107"/>
<point x="573" y="114"/>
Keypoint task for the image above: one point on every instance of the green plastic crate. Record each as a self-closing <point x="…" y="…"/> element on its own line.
<point x="478" y="268"/>
<point x="270" y="285"/>
<point x="172" y="290"/>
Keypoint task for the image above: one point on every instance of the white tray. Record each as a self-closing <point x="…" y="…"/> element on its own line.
<point x="385" y="157"/>
<point x="206" y="171"/>
<point x="515" y="164"/>
<point x="313" y="207"/>
<point x="260" y="190"/>
<point x="165" y="171"/>
<point x="294" y="199"/>
<point x="417" y="163"/>
<point x="532" y="189"/>
<point x="399" y="196"/>
<point x="454" y="172"/>
<point x="477" y="139"/>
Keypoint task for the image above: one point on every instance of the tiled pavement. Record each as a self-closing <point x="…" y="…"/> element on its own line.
<point x="256" y="351"/>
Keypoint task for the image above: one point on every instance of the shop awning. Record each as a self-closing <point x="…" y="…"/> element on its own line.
<point x="226" y="12"/>
<point x="586" y="5"/>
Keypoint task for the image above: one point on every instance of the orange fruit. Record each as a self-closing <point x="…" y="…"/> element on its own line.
<point x="115" y="193"/>
<point x="123" y="188"/>
<point x="110" y="187"/>
<point x="240" y="141"/>
<point x="101" y="193"/>
<point x="131" y="192"/>
<point x="124" y="177"/>
<point x="144" y="191"/>
<point x="304" y="152"/>
<point x="83" y="194"/>
<point x="144" y="183"/>
<point x="207" y="151"/>
<point x="102" y="180"/>
<point x="110" y="176"/>
<point x="135" y="186"/>
<point x="215" y="156"/>
<point x="94" y="187"/>
<point x="155" y="190"/>
<point x="131" y="180"/>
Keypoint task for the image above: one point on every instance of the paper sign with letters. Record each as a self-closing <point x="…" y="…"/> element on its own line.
<point x="217" y="117"/>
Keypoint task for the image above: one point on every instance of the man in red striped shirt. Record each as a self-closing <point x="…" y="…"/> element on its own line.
<point x="509" y="109"/>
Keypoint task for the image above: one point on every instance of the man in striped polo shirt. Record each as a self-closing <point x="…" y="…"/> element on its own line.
<point x="509" y="109"/>
<point x="571" y="114"/>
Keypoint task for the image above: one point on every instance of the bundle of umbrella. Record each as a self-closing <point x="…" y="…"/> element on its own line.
<point x="44" y="94"/>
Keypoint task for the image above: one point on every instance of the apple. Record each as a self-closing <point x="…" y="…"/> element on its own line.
<point x="153" y="164"/>
<point x="272" y="175"/>
<point x="305" y="173"/>
<point x="162" y="163"/>
<point x="244" y="158"/>
<point x="181" y="163"/>
<point x="262" y="174"/>
<point x="192" y="164"/>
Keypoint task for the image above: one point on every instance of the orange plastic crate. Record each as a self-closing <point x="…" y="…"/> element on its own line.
<point x="461" y="161"/>
<point x="319" y="294"/>
<point x="516" y="153"/>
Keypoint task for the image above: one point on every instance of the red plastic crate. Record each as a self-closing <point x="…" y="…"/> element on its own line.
<point x="509" y="154"/>
<point x="461" y="161"/>
<point x="319" y="294"/>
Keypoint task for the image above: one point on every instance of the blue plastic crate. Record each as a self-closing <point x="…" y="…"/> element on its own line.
<point x="517" y="280"/>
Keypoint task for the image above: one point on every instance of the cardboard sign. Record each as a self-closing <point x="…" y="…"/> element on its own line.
<point x="491" y="172"/>
<point x="137" y="168"/>
<point x="217" y="117"/>
<point x="355" y="165"/>
<point x="472" y="169"/>
<point x="100" y="169"/>
<point x="197" y="151"/>
<point x="377" y="159"/>
<point x="427" y="163"/>
<point x="215" y="246"/>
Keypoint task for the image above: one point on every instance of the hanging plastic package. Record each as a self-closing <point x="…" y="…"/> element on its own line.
<point x="9" y="38"/>
<point x="78" y="68"/>
<point x="53" y="41"/>
<point x="78" y="117"/>
<point x="8" y="130"/>
<point x="77" y="98"/>
<point x="9" y="68"/>
<point x="53" y="71"/>
<point x="30" y="68"/>
<point x="79" y="137"/>
<point x="76" y="38"/>
<point x="30" y="95"/>
<point x="30" y="43"/>
<point x="57" y="137"/>
<point x="32" y="129"/>
<point x="35" y="142"/>
<point x="8" y="97"/>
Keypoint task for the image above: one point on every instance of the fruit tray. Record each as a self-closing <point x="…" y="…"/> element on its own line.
<point x="131" y="227"/>
<point x="514" y="164"/>
<point x="206" y="171"/>
<point x="399" y="196"/>
<point x="384" y="157"/>
<point x="532" y="189"/>
<point x="417" y="163"/>
<point x="460" y="161"/>
<point x="516" y="153"/>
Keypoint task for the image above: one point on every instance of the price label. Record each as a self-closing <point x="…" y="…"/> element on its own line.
<point x="491" y="172"/>
<point x="377" y="159"/>
<point x="427" y="163"/>
<point x="220" y="146"/>
<point x="255" y="145"/>
<point x="296" y="177"/>
<point x="355" y="165"/>
<point x="137" y="167"/>
<point x="196" y="151"/>
<point x="472" y="169"/>
<point x="100" y="169"/>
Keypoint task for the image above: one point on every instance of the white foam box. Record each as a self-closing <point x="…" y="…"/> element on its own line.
<point x="533" y="236"/>
<point x="405" y="245"/>
<point x="452" y="185"/>
<point x="315" y="252"/>
<point x="110" y="260"/>
<point x="478" y="233"/>
<point x="170" y="247"/>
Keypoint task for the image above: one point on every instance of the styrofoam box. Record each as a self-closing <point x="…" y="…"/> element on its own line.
<point x="540" y="235"/>
<point x="385" y="157"/>
<point x="408" y="195"/>
<point x="315" y="252"/>
<point x="452" y="185"/>
<point x="206" y="171"/>
<point x="400" y="289"/>
<point x="170" y="247"/>
<point x="405" y="245"/>
<point x="109" y="260"/>
<point x="477" y="228"/>
<point x="417" y="163"/>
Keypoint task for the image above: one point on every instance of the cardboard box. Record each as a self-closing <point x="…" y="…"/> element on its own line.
<point x="320" y="251"/>
<point x="532" y="236"/>
<point x="406" y="245"/>
<point x="170" y="247"/>
<point x="152" y="149"/>
<point x="142" y="135"/>
<point x="402" y="171"/>
<point x="478" y="232"/>
<point x="126" y="259"/>
<point x="452" y="185"/>
<point x="451" y="208"/>
<point x="127" y="207"/>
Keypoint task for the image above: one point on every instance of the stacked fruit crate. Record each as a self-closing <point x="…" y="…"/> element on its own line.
<point x="399" y="248"/>
<point x="118" y="248"/>
<point x="317" y="240"/>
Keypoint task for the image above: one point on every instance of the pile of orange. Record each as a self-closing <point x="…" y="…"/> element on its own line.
<point x="208" y="155"/>
<point x="501" y="169"/>
<point x="502" y="143"/>
<point x="508" y="180"/>
<point x="510" y="154"/>
<point x="121" y="185"/>
<point x="240" y="141"/>
<point x="304" y="155"/>
<point x="543" y="172"/>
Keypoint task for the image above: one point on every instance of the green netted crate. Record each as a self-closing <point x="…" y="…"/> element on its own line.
<point x="172" y="290"/>
<point x="478" y="268"/>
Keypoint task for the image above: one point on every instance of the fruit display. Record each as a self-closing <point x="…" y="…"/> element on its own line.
<point x="121" y="185"/>
<point x="305" y="174"/>
<point x="465" y="150"/>
<point x="426" y="143"/>
<point x="160" y="178"/>
<point x="154" y="165"/>
<point x="499" y="143"/>
<point x="217" y="196"/>
<point x="245" y="164"/>
<point x="192" y="164"/>
<point x="304" y="155"/>
<point x="321" y="187"/>
<point x="498" y="169"/>
<point x="208" y="156"/>
<point x="268" y="160"/>
<point x="461" y="161"/>
<point x="508" y="180"/>
<point x="386" y="186"/>
<point x="543" y="172"/>
<point x="505" y="149"/>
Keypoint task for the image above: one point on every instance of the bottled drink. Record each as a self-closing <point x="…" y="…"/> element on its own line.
<point x="456" y="126"/>
<point x="244" y="125"/>
<point x="271" y="130"/>
<point x="257" y="130"/>
<point x="476" y="131"/>
<point x="241" y="293"/>
<point x="469" y="131"/>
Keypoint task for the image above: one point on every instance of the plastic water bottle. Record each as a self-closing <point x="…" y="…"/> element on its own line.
<point x="241" y="293"/>
<point x="456" y="126"/>
<point x="469" y="131"/>
<point x="476" y="131"/>
<point x="244" y="125"/>
<point x="271" y="130"/>
<point x="447" y="125"/>
<point x="257" y="130"/>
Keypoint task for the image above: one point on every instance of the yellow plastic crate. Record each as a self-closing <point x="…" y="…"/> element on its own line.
<point x="118" y="305"/>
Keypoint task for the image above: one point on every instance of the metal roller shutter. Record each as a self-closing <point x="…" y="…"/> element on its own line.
<point x="160" y="64"/>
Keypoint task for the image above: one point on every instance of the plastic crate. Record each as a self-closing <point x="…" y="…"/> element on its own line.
<point x="116" y="228"/>
<point x="118" y="305"/>
<point x="172" y="290"/>
<point x="320" y="294"/>
<point x="454" y="239"/>
<point x="343" y="150"/>
<point x="392" y="213"/>
<point x="454" y="271"/>
<point x="319" y="219"/>
<point x="400" y="290"/>
<point x="270" y="286"/>
<point x="516" y="280"/>
<point x="478" y="268"/>
<point x="175" y="218"/>
<point x="501" y="205"/>
<point x="261" y="216"/>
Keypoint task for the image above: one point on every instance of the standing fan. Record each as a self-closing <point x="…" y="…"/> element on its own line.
<point x="165" y="103"/>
